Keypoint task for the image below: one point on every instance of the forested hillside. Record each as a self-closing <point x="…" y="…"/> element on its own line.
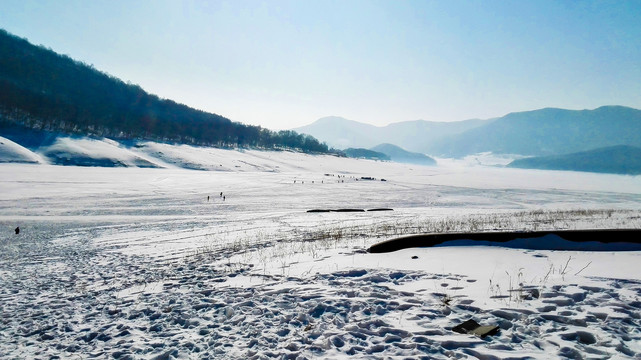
<point x="40" y="89"/>
<point x="399" y="154"/>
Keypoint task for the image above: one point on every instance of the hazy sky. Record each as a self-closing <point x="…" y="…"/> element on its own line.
<point x="283" y="64"/>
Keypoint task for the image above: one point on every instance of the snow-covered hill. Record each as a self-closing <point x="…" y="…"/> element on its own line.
<point x="102" y="152"/>
<point x="10" y="152"/>
<point x="92" y="152"/>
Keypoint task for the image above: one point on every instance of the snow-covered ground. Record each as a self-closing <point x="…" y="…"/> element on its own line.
<point x="150" y="263"/>
<point x="15" y="153"/>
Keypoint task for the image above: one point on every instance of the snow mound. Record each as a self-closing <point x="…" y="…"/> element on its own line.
<point x="191" y="157"/>
<point x="10" y="152"/>
<point x="93" y="152"/>
<point x="237" y="160"/>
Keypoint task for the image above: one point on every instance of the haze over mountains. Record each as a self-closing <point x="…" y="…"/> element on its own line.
<point x="415" y="136"/>
<point x="605" y="133"/>
<point x="548" y="132"/>
<point x="400" y="155"/>
<point x="620" y="159"/>
<point x="542" y="132"/>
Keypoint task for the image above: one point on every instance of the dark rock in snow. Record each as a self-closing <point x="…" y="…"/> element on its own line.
<point x="609" y="240"/>
<point x="474" y="328"/>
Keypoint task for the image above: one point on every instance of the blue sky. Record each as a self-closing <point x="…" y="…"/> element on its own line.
<point x="283" y="64"/>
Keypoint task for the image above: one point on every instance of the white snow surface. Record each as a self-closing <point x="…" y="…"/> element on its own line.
<point x="10" y="152"/>
<point x="142" y="263"/>
<point x="106" y="152"/>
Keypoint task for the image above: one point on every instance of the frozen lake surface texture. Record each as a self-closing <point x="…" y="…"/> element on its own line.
<point x="141" y="263"/>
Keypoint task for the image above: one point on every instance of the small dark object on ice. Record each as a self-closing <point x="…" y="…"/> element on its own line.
<point x="471" y="327"/>
<point x="18" y="230"/>
<point x="414" y="257"/>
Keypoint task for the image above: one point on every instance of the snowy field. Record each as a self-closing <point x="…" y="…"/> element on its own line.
<point x="138" y="263"/>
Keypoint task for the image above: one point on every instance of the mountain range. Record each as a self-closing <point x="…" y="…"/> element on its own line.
<point x="415" y="136"/>
<point x="604" y="139"/>
<point x="543" y="132"/>
<point x="620" y="159"/>
<point x="548" y="132"/>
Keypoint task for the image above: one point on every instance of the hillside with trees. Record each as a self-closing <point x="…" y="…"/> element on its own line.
<point x="43" y="90"/>
<point x="401" y="155"/>
<point x="360" y="153"/>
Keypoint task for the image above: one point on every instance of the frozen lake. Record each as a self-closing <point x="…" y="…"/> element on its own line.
<point x="138" y="263"/>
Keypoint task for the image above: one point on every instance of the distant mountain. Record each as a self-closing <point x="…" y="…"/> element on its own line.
<point x="40" y="89"/>
<point x="361" y="153"/>
<point x="541" y="132"/>
<point x="419" y="135"/>
<point x="413" y="135"/>
<point x="341" y="133"/>
<point x="397" y="154"/>
<point x="547" y="132"/>
<point x="619" y="159"/>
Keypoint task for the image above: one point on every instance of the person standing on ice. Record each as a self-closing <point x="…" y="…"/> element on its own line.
<point x="17" y="230"/>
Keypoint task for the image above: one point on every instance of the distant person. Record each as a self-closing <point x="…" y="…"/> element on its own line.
<point x="18" y="230"/>
<point x="223" y="198"/>
<point x="207" y="198"/>
<point x="221" y="194"/>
